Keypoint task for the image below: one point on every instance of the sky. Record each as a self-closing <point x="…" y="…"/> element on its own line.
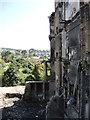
<point x="24" y="24"/>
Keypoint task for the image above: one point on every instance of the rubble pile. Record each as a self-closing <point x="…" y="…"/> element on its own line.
<point x="15" y="108"/>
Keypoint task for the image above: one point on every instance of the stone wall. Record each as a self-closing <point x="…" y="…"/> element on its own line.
<point x="36" y="90"/>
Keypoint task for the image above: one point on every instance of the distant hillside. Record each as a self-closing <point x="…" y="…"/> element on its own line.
<point x="30" y="52"/>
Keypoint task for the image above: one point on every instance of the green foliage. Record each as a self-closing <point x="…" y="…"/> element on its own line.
<point x="17" y="72"/>
<point x="39" y="71"/>
<point x="16" y="68"/>
<point x="9" y="78"/>
<point x="5" y="55"/>
<point x="30" y="55"/>
<point x="25" y="70"/>
<point x="17" y="53"/>
<point x="30" y="77"/>
<point x="1" y="71"/>
<point x="2" y="65"/>
<point x="10" y="57"/>
<point x="48" y="72"/>
<point x="24" y="53"/>
<point x="2" y="62"/>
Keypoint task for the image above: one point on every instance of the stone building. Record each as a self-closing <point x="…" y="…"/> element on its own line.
<point x="70" y="57"/>
<point x="67" y="86"/>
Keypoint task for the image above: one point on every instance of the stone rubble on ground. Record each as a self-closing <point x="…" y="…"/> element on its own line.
<point x="16" y="108"/>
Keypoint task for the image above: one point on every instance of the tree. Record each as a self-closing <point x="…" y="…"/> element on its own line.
<point x="2" y="65"/>
<point x="30" y="77"/>
<point x="9" y="78"/>
<point x="20" y="69"/>
<point x="38" y="71"/>
<point x="17" y="53"/>
<point x="5" y="55"/>
<point x="24" y="52"/>
<point x="10" y="57"/>
<point x="30" y="55"/>
<point x="31" y="50"/>
<point x="2" y="62"/>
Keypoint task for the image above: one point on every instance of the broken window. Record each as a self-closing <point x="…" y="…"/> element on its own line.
<point x="48" y="69"/>
<point x="56" y="54"/>
<point x="52" y="53"/>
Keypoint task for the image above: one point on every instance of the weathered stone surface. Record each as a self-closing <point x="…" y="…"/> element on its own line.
<point x="54" y="108"/>
<point x="36" y="90"/>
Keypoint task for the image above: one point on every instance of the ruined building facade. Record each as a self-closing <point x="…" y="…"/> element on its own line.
<point x="70" y="56"/>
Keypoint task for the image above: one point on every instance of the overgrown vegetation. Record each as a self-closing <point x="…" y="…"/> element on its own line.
<point x="18" y="67"/>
